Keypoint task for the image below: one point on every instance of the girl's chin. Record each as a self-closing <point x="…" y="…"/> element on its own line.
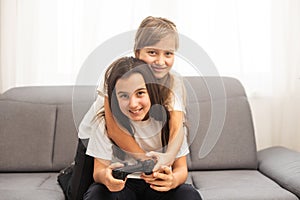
<point x="136" y="118"/>
<point x="160" y="75"/>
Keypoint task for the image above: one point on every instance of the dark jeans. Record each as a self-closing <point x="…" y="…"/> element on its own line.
<point x="137" y="189"/>
<point x="82" y="176"/>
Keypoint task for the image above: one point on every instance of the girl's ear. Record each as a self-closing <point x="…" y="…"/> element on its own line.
<point x="137" y="53"/>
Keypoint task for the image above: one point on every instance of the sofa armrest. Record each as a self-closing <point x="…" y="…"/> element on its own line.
<point x="282" y="165"/>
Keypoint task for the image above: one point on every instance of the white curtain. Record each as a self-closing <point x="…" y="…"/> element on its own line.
<point x="45" y="42"/>
<point x="285" y="61"/>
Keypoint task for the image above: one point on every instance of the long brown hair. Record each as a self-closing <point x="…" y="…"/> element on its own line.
<point x="123" y="68"/>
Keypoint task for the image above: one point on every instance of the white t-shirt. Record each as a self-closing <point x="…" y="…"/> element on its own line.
<point x="177" y="101"/>
<point x="146" y="133"/>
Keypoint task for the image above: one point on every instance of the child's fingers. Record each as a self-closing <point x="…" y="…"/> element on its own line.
<point x="167" y="170"/>
<point x="156" y="167"/>
<point x="154" y="155"/>
<point x="115" y="165"/>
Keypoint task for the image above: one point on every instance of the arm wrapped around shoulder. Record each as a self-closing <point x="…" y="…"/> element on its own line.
<point x="282" y="165"/>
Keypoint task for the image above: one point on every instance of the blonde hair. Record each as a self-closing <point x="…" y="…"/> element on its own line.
<point x="152" y="30"/>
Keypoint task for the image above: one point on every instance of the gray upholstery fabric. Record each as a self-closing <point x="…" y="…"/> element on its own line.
<point x="237" y="185"/>
<point x="65" y="140"/>
<point x="282" y="165"/>
<point x="38" y="123"/>
<point x="26" y="132"/>
<point x="29" y="186"/>
<point x="235" y="147"/>
<point x="40" y="94"/>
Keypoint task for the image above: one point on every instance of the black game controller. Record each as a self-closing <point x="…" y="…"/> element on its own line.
<point x="145" y="166"/>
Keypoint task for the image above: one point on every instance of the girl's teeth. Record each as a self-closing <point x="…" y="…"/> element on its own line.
<point x="135" y="111"/>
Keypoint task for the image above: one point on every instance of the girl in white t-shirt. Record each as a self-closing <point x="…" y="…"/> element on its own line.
<point x="137" y="102"/>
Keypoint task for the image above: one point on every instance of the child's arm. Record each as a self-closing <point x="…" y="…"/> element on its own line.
<point x="175" y="141"/>
<point x="176" y="135"/>
<point x="124" y="140"/>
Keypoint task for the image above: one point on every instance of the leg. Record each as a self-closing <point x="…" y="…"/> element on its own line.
<point x="82" y="176"/>
<point x="100" y="192"/>
<point x="184" y="191"/>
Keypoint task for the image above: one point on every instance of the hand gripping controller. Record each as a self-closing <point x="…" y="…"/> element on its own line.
<point x="145" y="166"/>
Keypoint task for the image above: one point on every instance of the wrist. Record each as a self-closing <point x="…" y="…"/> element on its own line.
<point x="179" y="177"/>
<point x="102" y="176"/>
<point x="169" y="158"/>
<point x="175" y="182"/>
<point x="140" y="156"/>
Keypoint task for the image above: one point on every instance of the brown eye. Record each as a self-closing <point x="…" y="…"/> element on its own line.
<point x="151" y="52"/>
<point x="169" y="53"/>
<point x="141" y="93"/>
<point x="123" y="96"/>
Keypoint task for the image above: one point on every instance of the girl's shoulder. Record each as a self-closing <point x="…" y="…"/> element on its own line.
<point x="177" y="81"/>
<point x="177" y="78"/>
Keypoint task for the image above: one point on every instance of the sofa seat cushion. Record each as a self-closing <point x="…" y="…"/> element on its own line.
<point x="31" y="186"/>
<point x="237" y="185"/>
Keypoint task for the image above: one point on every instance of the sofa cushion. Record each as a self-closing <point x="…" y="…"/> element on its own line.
<point x="40" y="124"/>
<point x="69" y="116"/>
<point x="237" y="185"/>
<point x="65" y="140"/>
<point x="26" y="132"/>
<point x="40" y="94"/>
<point x="220" y="123"/>
<point x="281" y="165"/>
<point x="30" y="186"/>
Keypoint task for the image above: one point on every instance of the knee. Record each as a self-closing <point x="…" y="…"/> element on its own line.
<point x="187" y="191"/>
<point x="96" y="191"/>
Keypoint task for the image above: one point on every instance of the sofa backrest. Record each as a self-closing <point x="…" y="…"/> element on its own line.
<point x="37" y="128"/>
<point x="220" y="124"/>
<point x="38" y="125"/>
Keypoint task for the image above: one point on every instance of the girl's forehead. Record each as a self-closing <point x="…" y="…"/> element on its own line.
<point x="131" y="83"/>
<point x="167" y="43"/>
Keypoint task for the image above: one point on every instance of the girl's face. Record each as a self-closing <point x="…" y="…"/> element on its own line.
<point x="160" y="56"/>
<point x="133" y="97"/>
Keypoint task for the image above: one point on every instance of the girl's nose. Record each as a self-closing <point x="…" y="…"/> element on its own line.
<point x="160" y="60"/>
<point x="133" y="102"/>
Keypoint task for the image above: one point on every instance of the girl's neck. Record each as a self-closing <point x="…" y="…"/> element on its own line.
<point x="141" y="123"/>
<point x="164" y="79"/>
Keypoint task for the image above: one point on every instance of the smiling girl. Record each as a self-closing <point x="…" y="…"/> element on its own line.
<point x="135" y="100"/>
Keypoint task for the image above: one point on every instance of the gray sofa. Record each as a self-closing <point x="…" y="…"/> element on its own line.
<point x="38" y="138"/>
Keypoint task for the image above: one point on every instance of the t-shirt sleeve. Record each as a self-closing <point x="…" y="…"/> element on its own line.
<point x="100" y="146"/>
<point x="86" y="125"/>
<point x="85" y="128"/>
<point x="102" y="90"/>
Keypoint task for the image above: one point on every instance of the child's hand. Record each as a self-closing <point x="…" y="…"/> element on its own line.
<point x="162" y="159"/>
<point x="114" y="185"/>
<point x="161" y="180"/>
